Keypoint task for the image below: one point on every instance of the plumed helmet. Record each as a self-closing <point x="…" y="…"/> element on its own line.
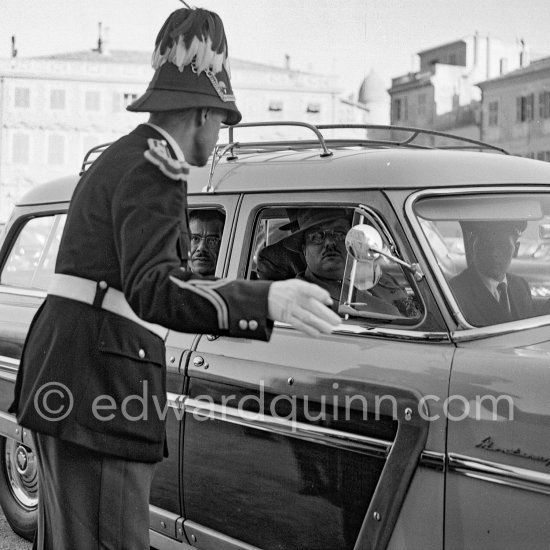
<point x="191" y="66"/>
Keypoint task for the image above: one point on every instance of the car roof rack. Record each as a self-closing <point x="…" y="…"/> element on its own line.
<point x="321" y="141"/>
<point x="324" y="143"/>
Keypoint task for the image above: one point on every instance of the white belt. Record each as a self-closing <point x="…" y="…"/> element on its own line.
<point x="84" y="290"/>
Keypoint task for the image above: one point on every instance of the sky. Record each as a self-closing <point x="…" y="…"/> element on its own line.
<point x="343" y="38"/>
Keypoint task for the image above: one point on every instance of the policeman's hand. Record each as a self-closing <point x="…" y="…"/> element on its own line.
<point x="302" y="305"/>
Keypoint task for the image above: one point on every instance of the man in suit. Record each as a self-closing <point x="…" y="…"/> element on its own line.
<point x="206" y="227"/>
<point x="486" y="293"/>
<point x="121" y="280"/>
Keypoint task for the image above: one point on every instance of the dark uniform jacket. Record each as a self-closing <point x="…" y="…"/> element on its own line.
<point x="481" y="308"/>
<point x="127" y="226"/>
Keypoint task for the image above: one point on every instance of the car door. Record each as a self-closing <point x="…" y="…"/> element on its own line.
<point x="317" y="443"/>
<point x="165" y="501"/>
<point x="29" y="250"/>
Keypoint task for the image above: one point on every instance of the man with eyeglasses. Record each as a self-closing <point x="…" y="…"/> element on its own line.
<point x="206" y="228"/>
<point x="320" y="236"/>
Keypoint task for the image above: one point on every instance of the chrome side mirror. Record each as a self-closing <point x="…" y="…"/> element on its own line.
<point x="364" y="244"/>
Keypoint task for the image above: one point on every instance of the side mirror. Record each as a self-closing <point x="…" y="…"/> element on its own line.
<point x="364" y="244"/>
<point x="362" y="241"/>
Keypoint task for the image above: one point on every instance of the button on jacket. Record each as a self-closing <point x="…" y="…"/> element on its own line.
<point x="127" y="226"/>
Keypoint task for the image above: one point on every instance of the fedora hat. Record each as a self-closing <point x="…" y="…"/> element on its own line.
<point x="191" y="66"/>
<point x="306" y="219"/>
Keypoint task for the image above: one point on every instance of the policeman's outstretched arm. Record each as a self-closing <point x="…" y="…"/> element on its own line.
<point x="302" y="305"/>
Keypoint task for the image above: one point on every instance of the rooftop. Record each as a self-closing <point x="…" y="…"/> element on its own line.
<point x="533" y="67"/>
<point x="144" y="58"/>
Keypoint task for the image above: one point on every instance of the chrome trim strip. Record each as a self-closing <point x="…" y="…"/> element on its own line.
<point x="511" y="476"/>
<point x="9" y="427"/>
<point x="209" y="539"/>
<point x="433" y="460"/>
<point x="157" y="540"/>
<point x="468" y="332"/>
<point x="477" y="333"/>
<point x="22" y="291"/>
<point x="9" y="362"/>
<point x="334" y="438"/>
<point x="175" y="400"/>
<point x="395" y="334"/>
<point x="8" y="368"/>
<point x="9" y="376"/>
<point x="162" y="521"/>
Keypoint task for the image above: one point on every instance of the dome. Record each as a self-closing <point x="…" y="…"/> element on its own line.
<point x="372" y="89"/>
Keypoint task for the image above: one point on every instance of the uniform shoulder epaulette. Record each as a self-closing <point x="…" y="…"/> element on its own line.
<point x="159" y="155"/>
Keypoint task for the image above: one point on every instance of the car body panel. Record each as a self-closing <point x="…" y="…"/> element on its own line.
<point x="499" y="449"/>
<point x="409" y="479"/>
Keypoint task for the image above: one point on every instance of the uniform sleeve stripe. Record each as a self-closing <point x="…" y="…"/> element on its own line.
<point x="207" y="293"/>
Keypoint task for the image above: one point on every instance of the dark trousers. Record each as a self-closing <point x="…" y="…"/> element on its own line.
<point x="90" y="501"/>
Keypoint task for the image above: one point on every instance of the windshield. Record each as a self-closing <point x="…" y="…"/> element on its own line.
<point x="493" y="251"/>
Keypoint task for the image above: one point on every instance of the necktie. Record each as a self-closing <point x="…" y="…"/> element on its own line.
<point x="503" y="293"/>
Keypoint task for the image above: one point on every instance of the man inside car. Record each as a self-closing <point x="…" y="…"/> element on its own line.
<point x="206" y="228"/>
<point x="320" y="234"/>
<point x="486" y="292"/>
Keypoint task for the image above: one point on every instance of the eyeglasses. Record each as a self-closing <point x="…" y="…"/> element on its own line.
<point x="212" y="241"/>
<point x="319" y="236"/>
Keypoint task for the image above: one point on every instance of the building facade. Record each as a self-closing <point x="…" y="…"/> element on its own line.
<point x="516" y="111"/>
<point x="54" y="109"/>
<point x="442" y="95"/>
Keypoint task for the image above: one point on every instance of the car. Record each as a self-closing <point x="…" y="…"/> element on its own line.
<point x="417" y="427"/>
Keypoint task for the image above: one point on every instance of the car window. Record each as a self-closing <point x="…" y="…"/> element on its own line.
<point x="493" y="251"/>
<point x="206" y="226"/>
<point x="31" y="261"/>
<point x="289" y="243"/>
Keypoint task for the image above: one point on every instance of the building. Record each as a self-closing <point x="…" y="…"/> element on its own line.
<point x="53" y="109"/>
<point x="442" y="95"/>
<point x="516" y="110"/>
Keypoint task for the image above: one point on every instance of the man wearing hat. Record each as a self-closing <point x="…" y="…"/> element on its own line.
<point x="486" y="293"/>
<point x="121" y="280"/>
<point x="320" y="234"/>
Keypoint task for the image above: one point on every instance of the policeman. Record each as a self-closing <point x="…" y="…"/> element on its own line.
<point x="121" y="281"/>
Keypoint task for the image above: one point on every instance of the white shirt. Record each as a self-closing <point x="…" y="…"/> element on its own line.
<point x="492" y="284"/>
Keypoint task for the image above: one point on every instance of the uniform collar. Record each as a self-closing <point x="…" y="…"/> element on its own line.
<point x="170" y="140"/>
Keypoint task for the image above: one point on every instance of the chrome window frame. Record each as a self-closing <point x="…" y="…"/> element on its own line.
<point x="359" y="329"/>
<point x="466" y="331"/>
